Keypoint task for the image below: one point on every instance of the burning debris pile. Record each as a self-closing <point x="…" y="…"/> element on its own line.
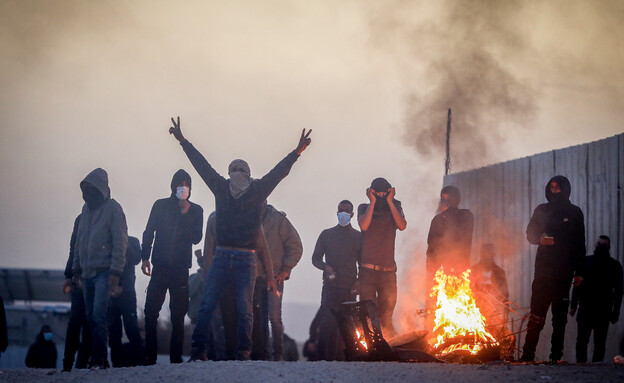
<point x="459" y="326"/>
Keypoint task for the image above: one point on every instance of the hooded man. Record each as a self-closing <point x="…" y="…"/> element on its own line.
<point x="177" y="224"/>
<point x="558" y="229"/>
<point x="42" y="353"/>
<point x="99" y="257"/>
<point x="239" y="205"/>
<point x="379" y="221"/>
<point x="450" y="234"/>
<point x="600" y="299"/>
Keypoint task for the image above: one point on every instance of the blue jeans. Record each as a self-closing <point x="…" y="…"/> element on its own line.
<point x="97" y="300"/>
<point x="238" y="269"/>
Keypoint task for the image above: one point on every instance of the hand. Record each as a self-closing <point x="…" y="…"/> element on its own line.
<point x="370" y="193"/>
<point x="146" y="267"/>
<point x="304" y="141"/>
<point x="546" y="240"/>
<point x="281" y="277"/>
<point x="113" y="285"/>
<point x="77" y="281"/>
<point x="176" y="131"/>
<point x="572" y="311"/>
<point x="272" y="287"/>
<point x="67" y="286"/>
<point x="355" y="290"/>
<point x="198" y="253"/>
<point x="329" y="273"/>
<point x="391" y="194"/>
<point x="577" y="281"/>
<point x="184" y="206"/>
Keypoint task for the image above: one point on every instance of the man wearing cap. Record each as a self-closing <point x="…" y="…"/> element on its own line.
<point x="379" y="220"/>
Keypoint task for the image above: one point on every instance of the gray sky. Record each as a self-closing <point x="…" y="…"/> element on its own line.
<point x="93" y="84"/>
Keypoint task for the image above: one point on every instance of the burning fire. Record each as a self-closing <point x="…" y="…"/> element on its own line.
<point x="361" y="339"/>
<point x="458" y="325"/>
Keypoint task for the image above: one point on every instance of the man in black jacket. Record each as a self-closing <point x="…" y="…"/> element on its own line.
<point x="341" y="246"/>
<point x="238" y="205"/>
<point x="177" y="223"/>
<point x="558" y="228"/>
<point x="599" y="297"/>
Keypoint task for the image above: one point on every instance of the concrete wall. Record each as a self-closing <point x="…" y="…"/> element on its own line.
<point x="502" y="198"/>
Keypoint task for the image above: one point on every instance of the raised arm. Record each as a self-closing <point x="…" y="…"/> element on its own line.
<point x="397" y="212"/>
<point x="201" y="165"/>
<point x="364" y="218"/>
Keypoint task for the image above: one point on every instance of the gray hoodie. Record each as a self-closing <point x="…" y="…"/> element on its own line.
<point x="102" y="236"/>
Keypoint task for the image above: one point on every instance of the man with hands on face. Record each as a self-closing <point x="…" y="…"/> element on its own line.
<point x="177" y="225"/>
<point x="239" y="203"/>
<point x="379" y="220"/>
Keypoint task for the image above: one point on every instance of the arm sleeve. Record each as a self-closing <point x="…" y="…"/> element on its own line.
<point x="195" y="224"/>
<point x="203" y="168"/>
<point x="267" y="183"/>
<point x="535" y="227"/>
<point x="579" y="247"/>
<point x="210" y="241"/>
<point x="319" y="251"/>
<point x="293" y="248"/>
<point x="72" y="247"/>
<point x="148" y="234"/>
<point x="119" y="236"/>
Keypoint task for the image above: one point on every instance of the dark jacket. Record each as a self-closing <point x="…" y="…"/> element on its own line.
<point x="600" y="293"/>
<point x="342" y="248"/>
<point x="102" y="236"/>
<point x="72" y="246"/>
<point x="238" y="220"/>
<point x="175" y="232"/>
<point x="563" y="221"/>
<point x="450" y="240"/>
<point x="41" y="354"/>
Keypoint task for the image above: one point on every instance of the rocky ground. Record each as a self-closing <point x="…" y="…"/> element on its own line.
<point x="334" y="372"/>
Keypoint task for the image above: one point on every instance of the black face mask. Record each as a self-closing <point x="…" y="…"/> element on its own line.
<point x="92" y="197"/>
<point x="601" y="250"/>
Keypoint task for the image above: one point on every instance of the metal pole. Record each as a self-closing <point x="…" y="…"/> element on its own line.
<point x="447" y="162"/>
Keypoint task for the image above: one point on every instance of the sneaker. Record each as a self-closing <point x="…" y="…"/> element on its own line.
<point x="527" y="358"/>
<point x="100" y="365"/>
<point x="198" y="355"/>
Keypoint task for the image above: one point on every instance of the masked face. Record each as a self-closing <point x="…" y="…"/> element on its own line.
<point x="344" y="218"/>
<point x="92" y="197"/>
<point x="47" y="336"/>
<point x="182" y="192"/>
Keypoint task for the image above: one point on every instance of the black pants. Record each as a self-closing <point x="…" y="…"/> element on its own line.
<point x="381" y="288"/>
<point x="591" y="319"/>
<point x="125" y="307"/>
<point x="330" y="344"/>
<point x="176" y="281"/>
<point x="545" y="294"/>
<point x="259" y="331"/>
<point x="77" y="323"/>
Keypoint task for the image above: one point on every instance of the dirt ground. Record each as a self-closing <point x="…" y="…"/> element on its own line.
<point x="331" y="372"/>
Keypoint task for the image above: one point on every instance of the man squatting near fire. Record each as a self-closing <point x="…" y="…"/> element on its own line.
<point x="558" y="229"/>
<point x="99" y="257"/>
<point x="379" y="220"/>
<point x="599" y="297"/>
<point x="341" y="246"/>
<point x="238" y="205"/>
<point x="177" y="224"/>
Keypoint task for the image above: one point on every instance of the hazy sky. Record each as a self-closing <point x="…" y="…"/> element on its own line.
<point x="93" y="84"/>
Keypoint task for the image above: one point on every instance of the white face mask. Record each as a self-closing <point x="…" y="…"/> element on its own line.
<point x="182" y="192"/>
<point x="344" y="218"/>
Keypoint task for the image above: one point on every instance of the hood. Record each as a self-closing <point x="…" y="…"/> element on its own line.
<point x="178" y="177"/>
<point x="98" y="178"/>
<point x="564" y="185"/>
<point x="454" y="195"/>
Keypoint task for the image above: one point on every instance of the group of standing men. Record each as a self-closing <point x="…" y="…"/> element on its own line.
<point x="100" y="269"/>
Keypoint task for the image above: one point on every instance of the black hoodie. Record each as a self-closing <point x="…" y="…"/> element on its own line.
<point x="563" y="221"/>
<point x="175" y="232"/>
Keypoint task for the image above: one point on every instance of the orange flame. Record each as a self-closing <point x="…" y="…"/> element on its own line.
<point x="458" y="323"/>
<point x="361" y="339"/>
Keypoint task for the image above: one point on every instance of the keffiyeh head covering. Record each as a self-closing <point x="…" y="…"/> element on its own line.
<point x="239" y="179"/>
